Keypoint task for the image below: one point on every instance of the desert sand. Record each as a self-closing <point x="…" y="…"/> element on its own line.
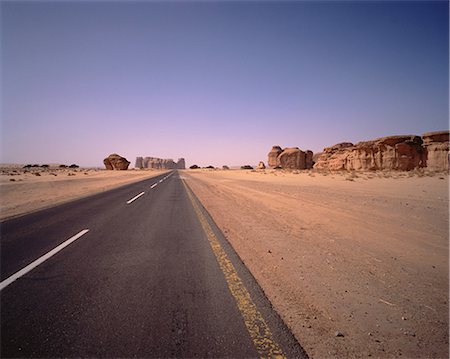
<point x="27" y="190"/>
<point x="355" y="263"/>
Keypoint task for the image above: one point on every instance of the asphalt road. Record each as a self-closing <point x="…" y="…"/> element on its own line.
<point x="153" y="277"/>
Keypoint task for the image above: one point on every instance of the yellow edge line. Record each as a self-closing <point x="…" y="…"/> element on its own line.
<point x="256" y="325"/>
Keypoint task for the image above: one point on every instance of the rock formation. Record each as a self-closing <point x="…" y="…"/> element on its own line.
<point x="290" y="158"/>
<point x="116" y="162"/>
<point x="436" y="145"/>
<point x="261" y="166"/>
<point x="273" y="155"/>
<point x="402" y="153"/>
<point x="160" y="163"/>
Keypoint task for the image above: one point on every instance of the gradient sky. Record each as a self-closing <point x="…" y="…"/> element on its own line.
<point x="216" y="82"/>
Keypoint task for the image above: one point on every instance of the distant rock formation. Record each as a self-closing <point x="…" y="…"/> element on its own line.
<point x="160" y="163"/>
<point x="116" y="162"/>
<point x="436" y="145"/>
<point x="403" y="153"/>
<point x="290" y="158"/>
<point x="273" y="155"/>
<point x="261" y="166"/>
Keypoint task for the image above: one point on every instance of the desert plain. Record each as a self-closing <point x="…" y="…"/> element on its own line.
<point x="356" y="264"/>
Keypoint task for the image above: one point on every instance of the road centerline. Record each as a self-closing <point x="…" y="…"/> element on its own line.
<point x="41" y="259"/>
<point x="135" y="197"/>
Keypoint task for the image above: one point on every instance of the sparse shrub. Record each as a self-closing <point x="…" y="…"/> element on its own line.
<point x="194" y="167"/>
<point x="35" y="165"/>
<point x="62" y="166"/>
<point x="12" y="179"/>
<point x="74" y="166"/>
<point x="278" y="168"/>
<point x="210" y="167"/>
<point x="246" y="167"/>
<point x="37" y="174"/>
<point x="27" y="166"/>
<point x="224" y="167"/>
<point x="45" y="166"/>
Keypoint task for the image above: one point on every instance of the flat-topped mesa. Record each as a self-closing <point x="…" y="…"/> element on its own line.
<point x="116" y="162"/>
<point x="403" y="153"/>
<point x="159" y="163"/>
<point x="436" y="145"/>
<point x="290" y="158"/>
<point x="181" y="164"/>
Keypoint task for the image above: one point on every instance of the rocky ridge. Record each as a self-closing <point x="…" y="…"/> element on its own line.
<point x="160" y="163"/>
<point x="403" y="153"/>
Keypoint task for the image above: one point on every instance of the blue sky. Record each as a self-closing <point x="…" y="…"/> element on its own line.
<point x="217" y="82"/>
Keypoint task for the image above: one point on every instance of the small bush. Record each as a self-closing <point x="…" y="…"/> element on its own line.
<point x="62" y="166"/>
<point x="224" y="167"/>
<point x="27" y="166"/>
<point x="45" y="166"/>
<point x="246" y="167"/>
<point x="210" y="167"/>
<point x="194" y="167"/>
<point x="74" y="166"/>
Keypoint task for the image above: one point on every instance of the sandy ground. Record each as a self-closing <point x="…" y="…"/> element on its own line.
<point x="365" y="255"/>
<point x="26" y="190"/>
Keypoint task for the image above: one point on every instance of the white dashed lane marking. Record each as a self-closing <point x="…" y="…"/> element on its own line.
<point x="41" y="259"/>
<point x="135" y="197"/>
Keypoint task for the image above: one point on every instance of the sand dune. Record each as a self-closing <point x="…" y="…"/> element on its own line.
<point x="365" y="255"/>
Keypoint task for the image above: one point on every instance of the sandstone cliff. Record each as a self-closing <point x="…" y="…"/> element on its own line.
<point x="436" y="145"/>
<point x="403" y="153"/>
<point x="116" y="162"/>
<point x="160" y="163"/>
<point x="273" y="155"/>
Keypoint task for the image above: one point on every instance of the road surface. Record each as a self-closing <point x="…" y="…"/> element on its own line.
<point x="139" y="271"/>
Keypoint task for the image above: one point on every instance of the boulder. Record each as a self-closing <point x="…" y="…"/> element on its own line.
<point x="436" y="146"/>
<point x="292" y="158"/>
<point x="273" y="156"/>
<point x="116" y="162"/>
<point x="261" y="166"/>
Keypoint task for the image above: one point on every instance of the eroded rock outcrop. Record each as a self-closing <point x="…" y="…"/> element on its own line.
<point x="273" y="155"/>
<point x="261" y="166"/>
<point x="116" y="162"/>
<point x="160" y="163"/>
<point x="402" y="153"/>
<point x="436" y="145"/>
<point x="290" y="158"/>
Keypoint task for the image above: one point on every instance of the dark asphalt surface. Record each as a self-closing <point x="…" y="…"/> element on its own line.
<point x="143" y="282"/>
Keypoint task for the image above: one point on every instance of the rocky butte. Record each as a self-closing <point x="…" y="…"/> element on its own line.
<point x="403" y="153"/>
<point x="116" y="162"/>
<point x="290" y="158"/>
<point x="160" y="163"/>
